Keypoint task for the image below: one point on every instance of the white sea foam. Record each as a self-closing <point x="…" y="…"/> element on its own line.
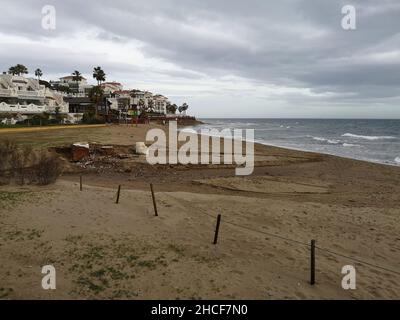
<point x="356" y="136"/>
<point x="350" y="145"/>
<point x="397" y="160"/>
<point x="330" y="141"/>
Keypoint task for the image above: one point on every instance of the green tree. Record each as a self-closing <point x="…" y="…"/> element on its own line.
<point x="142" y="106"/>
<point x="40" y="119"/>
<point x="38" y="73"/>
<point x="150" y="105"/>
<point x="183" y="107"/>
<point x="18" y="69"/>
<point x="13" y="70"/>
<point x="58" y="116"/>
<point x="99" y="75"/>
<point x="171" y="108"/>
<point x="96" y="95"/>
<point x="63" y="89"/>
<point x="76" y="76"/>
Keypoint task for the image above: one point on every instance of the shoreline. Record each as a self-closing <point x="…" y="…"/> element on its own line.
<point x="392" y="162"/>
<point x="330" y="154"/>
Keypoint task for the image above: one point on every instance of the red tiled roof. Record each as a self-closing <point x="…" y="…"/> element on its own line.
<point x="68" y="77"/>
<point x="123" y="91"/>
<point x="112" y="83"/>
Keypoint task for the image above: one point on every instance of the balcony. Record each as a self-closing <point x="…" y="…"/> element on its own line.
<point x="26" y="93"/>
<point x="6" y="92"/>
<point x="24" y="109"/>
<point x="21" y="93"/>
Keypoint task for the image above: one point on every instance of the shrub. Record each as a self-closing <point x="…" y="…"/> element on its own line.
<point x="21" y="160"/>
<point x="89" y="118"/>
<point x="7" y="148"/>
<point x="26" y="166"/>
<point x="48" y="168"/>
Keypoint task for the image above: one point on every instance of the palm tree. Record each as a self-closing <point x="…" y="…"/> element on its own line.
<point x="150" y="105"/>
<point x="142" y="106"/>
<point x="96" y="96"/>
<point x="171" y="108"/>
<point x="38" y="73"/>
<point x="77" y="76"/>
<point x="183" y="107"/>
<point x="99" y="75"/>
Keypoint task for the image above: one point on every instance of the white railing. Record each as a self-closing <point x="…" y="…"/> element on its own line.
<point x="32" y="108"/>
<point x="21" y="93"/>
<point x="5" y="92"/>
<point x="20" y="108"/>
<point x="27" y="93"/>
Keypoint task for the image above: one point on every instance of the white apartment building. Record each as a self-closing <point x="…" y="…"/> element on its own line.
<point x="24" y="96"/>
<point x="160" y="103"/>
<point x="77" y="88"/>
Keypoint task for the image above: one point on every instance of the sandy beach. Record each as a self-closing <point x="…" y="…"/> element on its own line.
<point x="101" y="249"/>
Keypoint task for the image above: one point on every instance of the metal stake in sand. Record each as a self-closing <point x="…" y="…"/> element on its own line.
<point x="80" y="182"/>
<point x="217" y="229"/>
<point x="312" y="275"/>
<point x="118" y="192"/>
<point x="154" y="200"/>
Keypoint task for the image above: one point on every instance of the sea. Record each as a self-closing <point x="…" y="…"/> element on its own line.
<point x="369" y="140"/>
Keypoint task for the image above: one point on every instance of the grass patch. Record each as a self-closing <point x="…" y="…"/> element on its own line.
<point x="9" y="200"/>
<point x="21" y="234"/>
<point x="107" y="267"/>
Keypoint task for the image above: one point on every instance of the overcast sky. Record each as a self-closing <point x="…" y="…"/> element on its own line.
<point x="286" y="58"/>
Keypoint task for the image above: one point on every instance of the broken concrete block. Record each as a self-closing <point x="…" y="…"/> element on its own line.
<point x="140" y="148"/>
<point x="80" y="150"/>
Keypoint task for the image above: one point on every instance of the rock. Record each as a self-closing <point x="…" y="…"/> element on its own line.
<point x="107" y="150"/>
<point x="80" y="150"/>
<point x="140" y="148"/>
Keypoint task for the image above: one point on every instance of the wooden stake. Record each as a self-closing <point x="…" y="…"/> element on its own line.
<point x="217" y="229"/>
<point x="312" y="278"/>
<point x="80" y="182"/>
<point x="154" y="200"/>
<point x="118" y="192"/>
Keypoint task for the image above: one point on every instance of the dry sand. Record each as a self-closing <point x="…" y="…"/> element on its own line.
<point x="101" y="249"/>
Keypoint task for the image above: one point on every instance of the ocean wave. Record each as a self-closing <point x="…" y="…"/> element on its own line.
<point x="330" y="141"/>
<point x="350" y="145"/>
<point x="397" y="160"/>
<point x="356" y="136"/>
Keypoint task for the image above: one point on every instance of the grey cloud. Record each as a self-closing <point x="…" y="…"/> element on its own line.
<point x="294" y="43"/>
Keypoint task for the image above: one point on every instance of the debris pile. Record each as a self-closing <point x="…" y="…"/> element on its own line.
<point x="102" y="158"/>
